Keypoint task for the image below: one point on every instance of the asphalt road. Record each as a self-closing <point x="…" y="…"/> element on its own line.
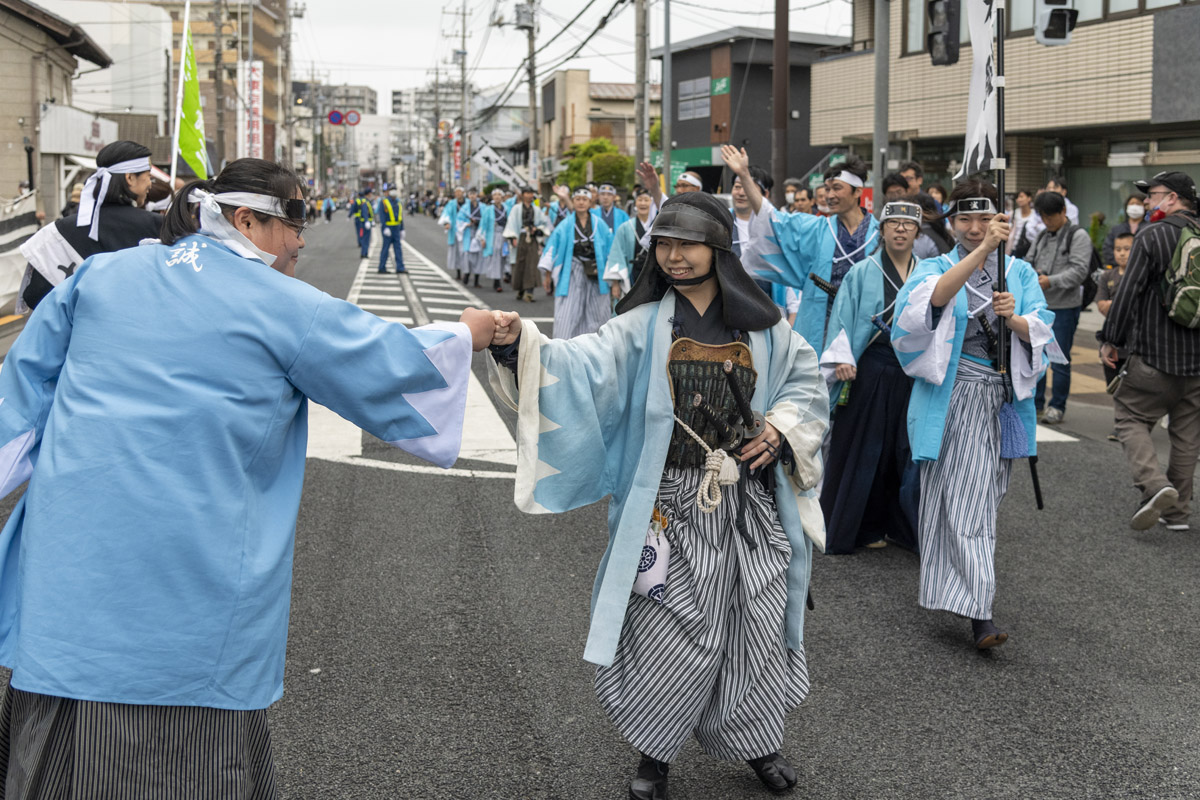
<point x="437" y="634"/>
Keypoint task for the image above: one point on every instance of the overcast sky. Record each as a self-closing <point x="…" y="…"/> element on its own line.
<point x="394" y="44"/>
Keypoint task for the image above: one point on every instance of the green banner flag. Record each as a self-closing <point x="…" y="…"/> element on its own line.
<point x="191" y="124"/>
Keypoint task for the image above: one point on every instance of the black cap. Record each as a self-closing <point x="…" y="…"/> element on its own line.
<point x="1178" y="182"/>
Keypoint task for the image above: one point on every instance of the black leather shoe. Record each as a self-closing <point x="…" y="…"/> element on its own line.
<point x="651" y="780"/>
<point x="775" y="772"/>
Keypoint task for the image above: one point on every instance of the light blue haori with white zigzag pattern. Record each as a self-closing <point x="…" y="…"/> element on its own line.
<point x="791" y="249"/>
<point x="929" y="349"/>
<point x="157" y="403"/>
<point x="600" y="424"/>
<point x="560" y="251"/>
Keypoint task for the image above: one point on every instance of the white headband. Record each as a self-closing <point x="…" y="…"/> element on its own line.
<point x="258" y="202"/>
<point x="690" y="179"/>
<point x="850" y="178"/>
<point x="214" y="224"/>
<point x="582" y="193"/>
<point x="91" y="200"/>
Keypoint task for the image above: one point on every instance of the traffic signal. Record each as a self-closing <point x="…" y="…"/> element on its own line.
<point x="1053" y="21"/>
<point x="942" y="39"/>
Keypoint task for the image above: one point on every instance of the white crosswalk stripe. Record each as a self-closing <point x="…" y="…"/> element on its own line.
<point x="485" y="436"/>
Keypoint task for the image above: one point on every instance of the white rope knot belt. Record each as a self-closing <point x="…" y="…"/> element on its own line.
<point x="720" y="469"/>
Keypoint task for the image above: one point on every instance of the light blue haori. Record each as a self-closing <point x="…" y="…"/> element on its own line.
<point x="560" y="251"/>
<point x="619" y="266"/>
<point x="851" y="331"/>
<point x="791" y="249"/>
<point x="157" y="403"/>
<point x="600" y="423"/>
<point x="450" y="217"/>
<point x="929" y="351"/>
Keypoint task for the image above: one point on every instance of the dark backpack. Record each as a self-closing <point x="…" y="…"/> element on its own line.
<point x="1095" y="265"/>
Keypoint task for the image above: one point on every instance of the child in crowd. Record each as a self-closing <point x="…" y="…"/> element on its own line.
<point x="1106" y="290"/>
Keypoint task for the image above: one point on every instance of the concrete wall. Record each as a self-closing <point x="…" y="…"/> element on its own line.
<point x="1176" y="68"/>
<point x="29" y="78"/>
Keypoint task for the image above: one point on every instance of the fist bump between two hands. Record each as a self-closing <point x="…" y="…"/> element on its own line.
<point x="491" y="327"/>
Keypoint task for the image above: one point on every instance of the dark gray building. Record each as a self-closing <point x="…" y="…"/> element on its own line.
<point x="722" y="94"/>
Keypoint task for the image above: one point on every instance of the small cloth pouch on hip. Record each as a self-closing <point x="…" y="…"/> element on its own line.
<point x="651" y="581"/>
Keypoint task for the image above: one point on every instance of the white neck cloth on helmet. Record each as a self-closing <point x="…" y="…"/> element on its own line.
<point x="214" y="225"/>
<point x="91" y="200"/>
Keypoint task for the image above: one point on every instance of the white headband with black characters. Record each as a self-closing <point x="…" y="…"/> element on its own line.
<point x="583" y="191"/>
<point x="691" y="180"/>
<point x="975" y="205"/>
<point x="91" y="200"/>
<point x="607" y="188"/>
<point x="901" y="210"/>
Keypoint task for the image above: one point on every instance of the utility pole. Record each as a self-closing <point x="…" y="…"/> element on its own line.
<point x="882" y="37"/>
<point x="286" y="88"/>
<point x="667" y="93"/>
<point x="780" y="85"/>
<point x="437" y="122"/>
<point x="527" y="19"/>
<point x="218" y="20"/>
<point x="641" y="100"/>
<point x="465" y="149"/>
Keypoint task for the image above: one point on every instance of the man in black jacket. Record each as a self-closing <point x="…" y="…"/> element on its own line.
<point x="1162" y="375"/>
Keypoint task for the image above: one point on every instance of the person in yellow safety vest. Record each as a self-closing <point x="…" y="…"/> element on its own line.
<point x="391" y="215"/>
<point x="363" y="213"/>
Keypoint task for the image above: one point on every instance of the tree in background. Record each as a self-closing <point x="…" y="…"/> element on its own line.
<point x="608" y="165"/>
<point x="656" y="134"/>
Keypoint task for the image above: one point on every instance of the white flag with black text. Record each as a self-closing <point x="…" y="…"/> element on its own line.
<point x="982" y="122"/>
<point x="489" y="159"/>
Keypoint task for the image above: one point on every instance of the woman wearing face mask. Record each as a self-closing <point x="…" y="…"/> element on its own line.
<point x="945" y="336"/>
<point x="701" y="414"/>
<point x="157" y="403"/>
<point x="872" y="488"/>
<point x="1135" y="214"/>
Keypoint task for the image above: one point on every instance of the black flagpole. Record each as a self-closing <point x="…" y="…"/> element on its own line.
<point x="1000" y="164"/>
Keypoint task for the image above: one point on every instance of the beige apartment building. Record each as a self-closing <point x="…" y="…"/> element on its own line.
<point x="574" y="110"/>
<point x="1118" y="103"/>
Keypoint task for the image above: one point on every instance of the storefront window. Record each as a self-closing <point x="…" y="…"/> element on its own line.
<point x="1121" y="6"/>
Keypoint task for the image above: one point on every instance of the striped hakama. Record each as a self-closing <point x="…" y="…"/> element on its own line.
<point x="55" y="747"/>
<point x="960" y="495"/>
<point x="455" y="258"/>
<point x="472" y="263"/>
<point x="584" y="309"/>
<point x="711" y="660"/>
<point x="492" y="267"/>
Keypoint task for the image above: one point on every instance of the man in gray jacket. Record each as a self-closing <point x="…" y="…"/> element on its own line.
<point x="1062" y="256"/>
